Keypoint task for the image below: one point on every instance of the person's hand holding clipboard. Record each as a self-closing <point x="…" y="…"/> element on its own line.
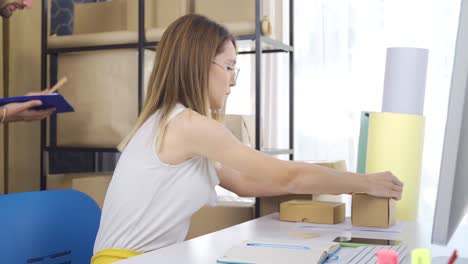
<point x="34" y="106"/>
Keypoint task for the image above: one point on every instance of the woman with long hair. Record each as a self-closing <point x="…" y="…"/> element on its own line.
<point x="178" y="152"/>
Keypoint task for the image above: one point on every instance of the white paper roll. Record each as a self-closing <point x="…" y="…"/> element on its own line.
<point x="405" y="80"/>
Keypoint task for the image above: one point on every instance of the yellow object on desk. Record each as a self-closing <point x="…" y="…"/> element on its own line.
<point x="395" y="143"/>
<point x="421" y="256"/>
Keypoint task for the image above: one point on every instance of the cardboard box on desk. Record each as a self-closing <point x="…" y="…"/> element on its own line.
<point x="370" y="211"/>
<point x="312" y="212"/>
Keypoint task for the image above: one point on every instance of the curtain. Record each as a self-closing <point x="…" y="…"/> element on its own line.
<point x="340" y="49"/>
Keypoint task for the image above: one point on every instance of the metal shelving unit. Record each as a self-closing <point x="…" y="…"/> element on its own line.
<point x="247" y="44"/>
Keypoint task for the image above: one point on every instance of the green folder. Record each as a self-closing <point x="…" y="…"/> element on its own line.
<point x="362" y="147"/>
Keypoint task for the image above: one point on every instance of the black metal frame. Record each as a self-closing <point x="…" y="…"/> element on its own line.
<point x="273" y="46"/>
<point x="258" y="84"/>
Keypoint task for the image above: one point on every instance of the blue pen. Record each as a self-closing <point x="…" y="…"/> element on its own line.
<point x="278" y="246"/>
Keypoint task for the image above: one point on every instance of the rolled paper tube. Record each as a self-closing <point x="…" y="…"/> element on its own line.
<point x="405" y="80"/>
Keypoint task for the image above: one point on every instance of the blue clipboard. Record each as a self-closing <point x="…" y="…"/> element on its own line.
<point x="48" y="101"/>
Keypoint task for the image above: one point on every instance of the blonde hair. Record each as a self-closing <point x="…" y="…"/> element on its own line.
<point x="180" y="74"/>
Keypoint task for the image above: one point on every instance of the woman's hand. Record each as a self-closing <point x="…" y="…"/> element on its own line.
<point x="24" y="112"/>
<point x="384" y="184"/>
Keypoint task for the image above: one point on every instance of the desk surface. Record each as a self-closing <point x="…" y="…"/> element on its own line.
<point x="207" y="248"/>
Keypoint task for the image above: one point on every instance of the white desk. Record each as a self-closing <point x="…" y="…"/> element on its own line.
<point x="207" y="248"/>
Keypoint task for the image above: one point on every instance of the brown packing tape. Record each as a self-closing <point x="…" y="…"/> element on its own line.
<point x="101" y="119"/>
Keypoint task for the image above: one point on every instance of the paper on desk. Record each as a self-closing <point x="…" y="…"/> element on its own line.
<point x="346" y="226"/>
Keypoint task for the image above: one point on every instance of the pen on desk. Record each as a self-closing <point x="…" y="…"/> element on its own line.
<point x="453" y="257"/>
<point x="277" y="246"/>
<point x="58" y="85"/>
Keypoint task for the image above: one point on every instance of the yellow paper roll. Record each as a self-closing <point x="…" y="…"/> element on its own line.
<point x="395" y="143"/>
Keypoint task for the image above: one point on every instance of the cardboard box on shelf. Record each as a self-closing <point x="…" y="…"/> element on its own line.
<point x="93" y="184"/>
<point x="242" y="127"/>
<point x="122" y="15"/>
<point x="312" y="212"/>
<point x="94" y="77"/>
<point x="370" y="211"/>
<point x="239" y="16"/>
<point x="112" y="17"/>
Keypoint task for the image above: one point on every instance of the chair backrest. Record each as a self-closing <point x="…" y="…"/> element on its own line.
<point x="48" y="227"/>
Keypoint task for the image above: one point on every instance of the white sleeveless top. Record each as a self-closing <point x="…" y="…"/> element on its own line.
<point x="149" y="203"/>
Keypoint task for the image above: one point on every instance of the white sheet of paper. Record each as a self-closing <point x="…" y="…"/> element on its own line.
<point x="347" y="226"/>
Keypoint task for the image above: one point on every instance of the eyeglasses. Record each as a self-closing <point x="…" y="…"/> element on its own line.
<point x="231" y="69"/>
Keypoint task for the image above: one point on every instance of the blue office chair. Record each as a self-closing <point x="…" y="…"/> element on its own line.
<point x="48" y="227"/>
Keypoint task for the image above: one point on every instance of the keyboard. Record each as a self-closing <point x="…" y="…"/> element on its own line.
<point x="367" y="254"/>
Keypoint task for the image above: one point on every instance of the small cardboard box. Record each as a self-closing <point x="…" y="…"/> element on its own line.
<point x="312" y="212"/>
<point x="370" y="211"/>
